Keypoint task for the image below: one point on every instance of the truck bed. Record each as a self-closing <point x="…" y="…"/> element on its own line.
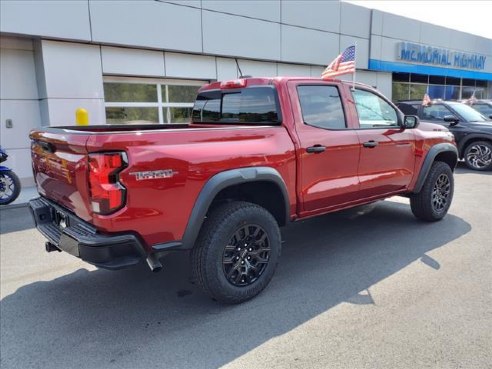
<point x="192" y="154"/>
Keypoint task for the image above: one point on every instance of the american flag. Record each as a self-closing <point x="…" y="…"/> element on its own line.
<point x="343" y="64"/>
<point x="426" y="101"/>
<point x="472" y="100"/>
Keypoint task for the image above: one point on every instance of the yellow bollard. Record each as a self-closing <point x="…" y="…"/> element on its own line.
<point x="81" y="117"/>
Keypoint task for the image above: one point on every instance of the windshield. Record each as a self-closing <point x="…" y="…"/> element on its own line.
<point x="470" y="114"/>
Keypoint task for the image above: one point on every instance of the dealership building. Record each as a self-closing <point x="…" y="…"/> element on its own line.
<point x="127" y="61"/>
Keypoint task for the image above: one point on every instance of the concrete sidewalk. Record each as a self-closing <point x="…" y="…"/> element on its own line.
<point x="26" y="194"/>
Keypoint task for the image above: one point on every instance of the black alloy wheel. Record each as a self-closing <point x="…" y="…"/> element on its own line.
<point x="434" y="199"/>
<point x="237" y="252"/>
<point x="441" y="192"/>
<point x="246" y="256"/>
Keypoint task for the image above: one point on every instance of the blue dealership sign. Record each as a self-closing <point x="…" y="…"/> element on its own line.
<point x="423" y="54"/>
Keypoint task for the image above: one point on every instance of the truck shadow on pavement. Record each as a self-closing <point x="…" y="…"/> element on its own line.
<point x="15" y="220"/>
<point x="136" y="319"/>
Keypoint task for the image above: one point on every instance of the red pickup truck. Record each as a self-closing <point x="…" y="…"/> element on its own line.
<point x="258" y="153"/>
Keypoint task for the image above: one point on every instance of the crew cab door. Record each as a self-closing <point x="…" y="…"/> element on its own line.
<point x="328" y="149"/>
<point x="387" y="155"/>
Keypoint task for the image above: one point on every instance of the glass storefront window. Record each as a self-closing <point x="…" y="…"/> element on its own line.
<point x="130" y="92"/>
<point x="419" y="78"/>
<point x="182" y="93"/>
<point x="468" y="92"/>
<point x="400" y="91"/>
<point x="401" y="77"/>
<point x="452" y="93"/>
<point x="437" y="80"/>
<point x="139" y="100"/>
<point x="453" y="81"/>
<point x="178" y="115"/>
<point x="417" y="92"/>
<point x="131" y="115"/>
<point x="406" y="87"/>
<point x="437" y="91"/>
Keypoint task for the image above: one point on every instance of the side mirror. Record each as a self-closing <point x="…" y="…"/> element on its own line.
<point x="490" y="116"/>
<point x="451" y="119"/>
<point x="410" y="121"/>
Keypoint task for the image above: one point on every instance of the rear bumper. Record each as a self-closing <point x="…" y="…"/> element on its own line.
<point x="71" y="234"/>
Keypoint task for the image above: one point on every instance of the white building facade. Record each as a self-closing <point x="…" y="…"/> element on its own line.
<point x="144" y="60"/>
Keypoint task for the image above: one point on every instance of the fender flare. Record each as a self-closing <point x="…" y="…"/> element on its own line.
<point x="221" y="181"/>
<point x="429" y="160"/>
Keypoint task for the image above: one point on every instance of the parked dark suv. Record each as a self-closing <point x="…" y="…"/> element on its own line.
<point x="484" y="107"/>
<point x="472" y="130"/>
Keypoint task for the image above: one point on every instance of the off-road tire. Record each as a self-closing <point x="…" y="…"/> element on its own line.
<point x="434" y="199"/>
<point x="219" y="230"/>
<point x="478" y="155"/>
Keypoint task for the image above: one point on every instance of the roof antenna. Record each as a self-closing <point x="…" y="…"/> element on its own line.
<point x="238" y="69"/>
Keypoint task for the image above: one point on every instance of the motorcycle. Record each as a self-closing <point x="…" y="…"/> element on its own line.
<point x="9" y="182"/>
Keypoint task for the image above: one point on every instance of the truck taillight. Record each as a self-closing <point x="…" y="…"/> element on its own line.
<point x="236" y="83"/>
<point x="107" y="194"/>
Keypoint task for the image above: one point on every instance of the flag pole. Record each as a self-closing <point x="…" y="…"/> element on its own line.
<point x="355" y="66"/>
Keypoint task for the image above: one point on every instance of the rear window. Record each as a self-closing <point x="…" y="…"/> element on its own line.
<point x="249" y="106"/>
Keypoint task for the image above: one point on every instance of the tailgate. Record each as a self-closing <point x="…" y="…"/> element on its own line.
<point x="60" y="169"/>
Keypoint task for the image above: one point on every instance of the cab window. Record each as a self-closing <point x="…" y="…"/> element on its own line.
<point x="373" y="111"/>
<point x="252" y="105"/>
<point x="435" y="112"/>
<point x="321" y="106"/>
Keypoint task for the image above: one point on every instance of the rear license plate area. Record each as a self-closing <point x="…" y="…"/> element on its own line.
<point x="61" y="220"/>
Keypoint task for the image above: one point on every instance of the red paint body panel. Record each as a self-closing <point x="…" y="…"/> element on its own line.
<point x="62" y="175"/>
<point x="389" y="167"/>
<point x="330" y="178"/>
<point x="158" y="209"/>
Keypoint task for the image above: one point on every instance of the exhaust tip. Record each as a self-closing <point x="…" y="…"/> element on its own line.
<point x="154" y="263"/>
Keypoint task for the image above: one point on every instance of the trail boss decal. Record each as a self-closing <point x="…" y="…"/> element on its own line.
<point x="154" y="174"/>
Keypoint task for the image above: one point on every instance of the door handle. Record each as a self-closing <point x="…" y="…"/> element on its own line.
<point x="316" y="149"/>
<point x="370" y="144"/>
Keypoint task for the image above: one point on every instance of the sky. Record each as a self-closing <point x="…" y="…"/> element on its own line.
<point x="468" y="16"/>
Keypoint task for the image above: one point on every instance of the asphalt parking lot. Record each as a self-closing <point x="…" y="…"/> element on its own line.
<point x="371" y="288"/>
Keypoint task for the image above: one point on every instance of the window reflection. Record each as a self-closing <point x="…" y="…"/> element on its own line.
<point x="249" y="105"/>
<point x="321" y="106"/>
<point x="373" y="110"/>
<point x="135" y="100"/>
<point x="408" y="86"/>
